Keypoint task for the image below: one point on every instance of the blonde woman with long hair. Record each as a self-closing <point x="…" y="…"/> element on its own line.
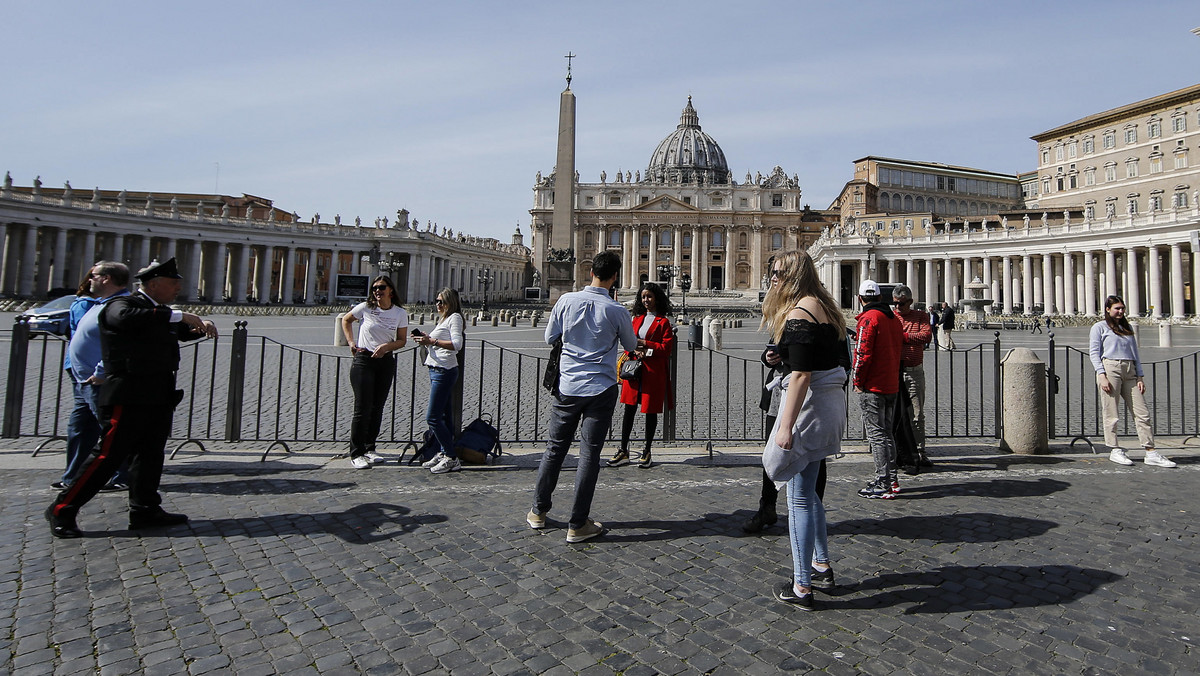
<point x="806" y="324"/>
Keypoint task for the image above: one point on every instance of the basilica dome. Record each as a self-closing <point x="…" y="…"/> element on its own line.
<point x="688" y="155"/>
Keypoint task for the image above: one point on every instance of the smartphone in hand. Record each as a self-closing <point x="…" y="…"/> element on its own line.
<point x="417" y="332"/>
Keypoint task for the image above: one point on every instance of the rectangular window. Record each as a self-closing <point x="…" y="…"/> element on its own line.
<point x="1089" y="212"/>
<point x="777" y="199"/>
<point x="941" y="183"/>
<point x="1089" y="177"/>
<point x="745" y="202"/>
<point x="1179" y="199"/>
<point x="1110" y="140"/>
<point x="1072" y="149"/>
<point x="1089" y="146"/>
<point x="591" y="201"/>
<point x="950" y="182"/>
<point x="1154" y="129"/>
<point x="1179" y="123"/>
<point x="1045" y="157"/>
<point x="1156" y="165"/>
<point x="718" y="201"/>
<point x="1058" y="153"/>
<point x="645" y="198"/>
<point x="1071" y="181"/>
<point x="1181" y="161"/>
<point x="614" y="199"/>
<point x="687" y="200"/>
<point x="1131" y="169"/>
<point x="1155" y="203"/>
<point x="1131" y="135"/>
<point x="1110" y="172"/>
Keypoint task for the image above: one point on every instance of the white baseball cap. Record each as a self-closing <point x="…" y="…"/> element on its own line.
<point x="868" y="288"/>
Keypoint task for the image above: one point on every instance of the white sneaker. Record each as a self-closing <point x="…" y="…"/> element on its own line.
<point x="447" y="464"/>
<point x="434" y="461"/>
<point x="360" y="462"/>
<point x="375" y="458"/>
<point x="1118" y="456"/>
<point x="1156" y="459"/>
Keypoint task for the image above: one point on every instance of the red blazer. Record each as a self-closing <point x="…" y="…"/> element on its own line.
<point x="652" y="391"/>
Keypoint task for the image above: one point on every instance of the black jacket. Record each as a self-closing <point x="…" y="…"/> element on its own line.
<point x="140" y="347"/>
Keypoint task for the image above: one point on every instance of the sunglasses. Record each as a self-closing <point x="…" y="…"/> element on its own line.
<point x="439" y="302"/>
<point x="379" y="288"/>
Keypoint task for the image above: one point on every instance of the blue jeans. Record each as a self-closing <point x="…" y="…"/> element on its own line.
<point x="83" y="432"/>
<point x="878" y="412"/>
<point x="371" y="378"/>
<point x="438" y="415"/>
<point x="806" y="524"/>
<point x="566" y="414"/>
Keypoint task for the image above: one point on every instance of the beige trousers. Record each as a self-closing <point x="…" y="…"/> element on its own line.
<point x="1122" y="375"/>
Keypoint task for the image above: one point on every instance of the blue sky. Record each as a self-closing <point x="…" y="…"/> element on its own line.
<point x="449" y="109"/>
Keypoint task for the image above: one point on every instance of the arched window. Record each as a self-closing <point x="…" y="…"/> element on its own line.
<point x="895" y="202"/>
<point x="777" y="240"/>
<point x="941" y="205"/>
<point x="614" y="237"/>
<point x="718" y="238"/>
<point x="587" y="239"/>
<point x="664" y="237"/>
<point x="920" y="204"/>
<point x="885" y="199"/>
<point x="908" y="203"/>
<point x="743" y="241"/>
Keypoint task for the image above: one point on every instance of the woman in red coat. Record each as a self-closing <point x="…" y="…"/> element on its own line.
<point x="656" y="340"/>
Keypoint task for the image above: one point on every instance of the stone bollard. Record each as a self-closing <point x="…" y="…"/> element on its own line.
<point x="1023" y="403"/>
<point x="534" y="322"/>
<point x="513" y="321"/>
<point x="496" y="321"/>
<point x="706" y="337"/>
<point x="475" y="321"/>
<point x="339" y="337"/>
<point x="1165" y="329"/>
<point x="716" y="328"/>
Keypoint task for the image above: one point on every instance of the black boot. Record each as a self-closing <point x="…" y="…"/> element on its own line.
<point x="645" y="461"/>
<point x="765" y="516"/>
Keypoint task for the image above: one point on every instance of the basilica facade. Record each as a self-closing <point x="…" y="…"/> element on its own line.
<point x="685" y="215"/>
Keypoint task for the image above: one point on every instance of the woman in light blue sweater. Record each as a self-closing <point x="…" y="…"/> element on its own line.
<point x="1114" y="352"/>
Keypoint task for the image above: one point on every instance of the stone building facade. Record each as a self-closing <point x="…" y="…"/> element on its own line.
<point x="237" y="249"/>
<point x="685" y="211"/>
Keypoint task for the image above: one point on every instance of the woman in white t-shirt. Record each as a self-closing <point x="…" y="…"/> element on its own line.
<point x="384" y="330"/>
<point x="444" y="343"/>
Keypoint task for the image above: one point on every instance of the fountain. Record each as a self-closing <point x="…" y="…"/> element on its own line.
<point x="975" y="301"/>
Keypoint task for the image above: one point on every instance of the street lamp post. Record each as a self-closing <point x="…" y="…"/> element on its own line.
<point x="685" y="285"/>
<point x="383" y="263"/>
<point x="486" y="278"/>
<point x="668" y="272"/>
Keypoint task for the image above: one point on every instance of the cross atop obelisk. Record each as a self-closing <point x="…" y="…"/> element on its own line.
<point x="568" y="57"/>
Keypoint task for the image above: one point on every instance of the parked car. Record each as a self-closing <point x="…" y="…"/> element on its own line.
<point x="53" y="317"/>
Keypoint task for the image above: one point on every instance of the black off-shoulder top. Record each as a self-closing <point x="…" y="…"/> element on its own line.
<point x="809" y="346"/>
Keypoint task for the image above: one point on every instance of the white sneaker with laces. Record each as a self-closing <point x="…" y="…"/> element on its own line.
<point x="1157" y="460"/>
<point x="1118" y="456"/>
<point x="447" y="464"/>
<point x="375" y="458"/>
<point x="433" y="462"/>
<point x="360" y="462"/>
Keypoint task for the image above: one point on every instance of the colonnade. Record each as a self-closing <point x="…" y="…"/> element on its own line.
<point x="1152" y="280"/>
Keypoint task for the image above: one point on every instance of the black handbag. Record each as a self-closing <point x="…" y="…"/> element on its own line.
<point x="550" y="376"/>
<point x="631" y="369"/>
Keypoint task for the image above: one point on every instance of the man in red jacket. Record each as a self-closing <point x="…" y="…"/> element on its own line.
<point x="877" y="380"/>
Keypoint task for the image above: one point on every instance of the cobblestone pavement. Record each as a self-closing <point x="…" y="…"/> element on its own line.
<point x="1062" y="564"/>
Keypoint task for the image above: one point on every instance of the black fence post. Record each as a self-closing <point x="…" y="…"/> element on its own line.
<point x="237" y="383"/>
<point x="1051" y="386"/>
<point x="456" y="399"/>
<point x="997" y="391"/>
<point x="14" y="399"/>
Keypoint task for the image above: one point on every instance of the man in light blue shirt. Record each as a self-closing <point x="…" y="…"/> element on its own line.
<point x="108" y="280"/>
<point x="593" y="327"/>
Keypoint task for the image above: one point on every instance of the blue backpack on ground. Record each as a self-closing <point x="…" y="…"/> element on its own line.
<point x="479" y="442"/>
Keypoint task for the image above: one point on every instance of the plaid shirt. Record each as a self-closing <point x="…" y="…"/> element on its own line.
<point x="917" y="334"/>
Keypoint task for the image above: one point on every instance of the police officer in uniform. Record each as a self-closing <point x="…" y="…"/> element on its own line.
<point x="139" y="337"/>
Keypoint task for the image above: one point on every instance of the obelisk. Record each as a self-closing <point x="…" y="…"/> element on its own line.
<point x="560" y="258"/>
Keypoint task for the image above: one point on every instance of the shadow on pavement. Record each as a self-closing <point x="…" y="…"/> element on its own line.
<point x="217" y="467"/>
<point x="969" y="527"/>
<point x="951" y="589"/>
<point x="260" y="486"/>
<point x="995" y="488"/>
<point x="1002" y="462"/>
<point x="361" y="524"/>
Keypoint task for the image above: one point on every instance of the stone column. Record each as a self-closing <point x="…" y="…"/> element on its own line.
<point x="695" y="258"/>
<point x="1007" y="298"/>
<point x="143" y="257"/>
<point x="1155" y="284"/>
<point x="263" y="260"/>
<point x="335" y="265"/>
<point x="628" y="233"/>
<point x="241" y="273"/>
<point x="45" y="257"/>
<point x="910" y="279"/>
<point x="88" y="256"/>
<point x="1048" y="306"/>
<point x="287" y="290"/>
<point x="1027" y="285"/>
<point x="28" y="261"/>
<point x="701" y="241"/>
<point x="756" y="258"/>
<point x="118" y="244"/>
<point x="730" y="259"/>
<point x="948" y="279"/>
<point x="1068" y="283"/>
<point x="170" y="246"/>
<point x="62" y="276"/>
<point x="835" y="280"/>
<point x="1089" y="281"/>
<point x="1133" y="299"/>
<point x="1177" y="281"/>
<point x="931" y="294"/>
<point x="677" y="251"/>
<point x="310" y="278"/>
<point x="4" y="258"/>
<point x="1110" y="276"/>
<point x="989" y="290"/>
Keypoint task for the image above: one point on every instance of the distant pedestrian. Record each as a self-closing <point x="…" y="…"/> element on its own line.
<point x="1037" y="325"/>
<point x="1114" y="352"/>
<point x="140" y="337"/>
<point x="877" y="380"/>
<point x="807" y="325"/>
<point x="652" y="390"/>
<point x="946" y="325"/>
<point x="934" y="320"/>
<point x="384" y="330"/>
<point x="593" y="327"/>
<point x="444" y="343"/>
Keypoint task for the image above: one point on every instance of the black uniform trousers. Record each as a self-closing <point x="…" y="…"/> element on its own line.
<point x="136" y="431"/>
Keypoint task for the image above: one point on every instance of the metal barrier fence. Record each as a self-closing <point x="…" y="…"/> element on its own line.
<point x="274" y="393"/>
<point x="1172" y="395"/>
<point x="253" y="389"/>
